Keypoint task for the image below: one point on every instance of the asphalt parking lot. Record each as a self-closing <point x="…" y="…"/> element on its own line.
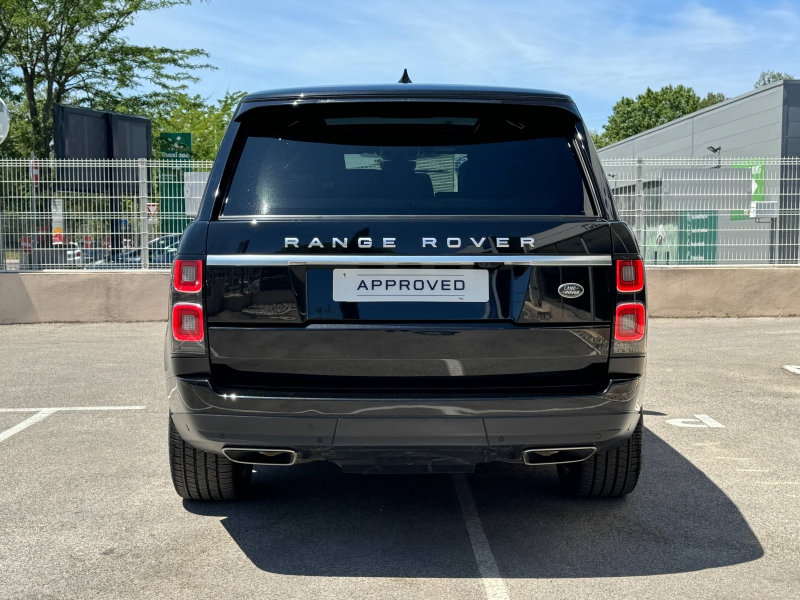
<point x="87" y="509"/>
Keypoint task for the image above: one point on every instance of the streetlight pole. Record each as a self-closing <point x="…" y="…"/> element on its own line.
<point x="718" y="152"/>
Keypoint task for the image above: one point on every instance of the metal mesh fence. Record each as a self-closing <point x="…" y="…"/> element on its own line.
<point x="708" y="211"/>
<point x="96" y="214"/>
<point x="130" y="214"/>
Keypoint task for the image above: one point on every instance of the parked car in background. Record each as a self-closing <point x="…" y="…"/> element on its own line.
<point x="58" y="255"/>
<point x="166" y="242"/>
<point x="91" y="254"/>
<point x="74" y="254"/>
<point x="161" y="253"/>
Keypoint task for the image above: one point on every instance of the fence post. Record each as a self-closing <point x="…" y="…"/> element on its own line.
<point x="143" y="197"/>
<point x="2" y="243"/>
<point x="639" y="203"/>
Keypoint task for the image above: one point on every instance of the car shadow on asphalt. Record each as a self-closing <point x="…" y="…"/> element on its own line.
<point x="314" y="520"/>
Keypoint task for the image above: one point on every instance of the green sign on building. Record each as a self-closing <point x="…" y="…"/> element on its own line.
<point x="757" y="168"/>
<point x="177" y="148"/>
<point x="697" y="237"/>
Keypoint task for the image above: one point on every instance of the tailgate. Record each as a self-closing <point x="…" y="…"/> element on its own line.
<point x="541" y="317"/>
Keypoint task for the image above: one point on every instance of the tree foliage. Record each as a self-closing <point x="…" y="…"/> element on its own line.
<point x="179" y="112"/>
<point x="19" y="142"/>
<point x="651" y="109"/>
<point x="73" y="51"/>
<point x="205" y="120"/>
<point x="768" y="77"/>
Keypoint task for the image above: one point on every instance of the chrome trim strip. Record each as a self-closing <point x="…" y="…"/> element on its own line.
<point x="335" y="260"/>
<point x="572" y="219"/>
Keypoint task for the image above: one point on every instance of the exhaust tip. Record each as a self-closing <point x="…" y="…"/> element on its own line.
<point x="261" y="456"/>
<point x="556" y="456"/>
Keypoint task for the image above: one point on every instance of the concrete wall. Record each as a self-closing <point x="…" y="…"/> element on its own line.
<point x="83" y="297"/>
<point x="748" y="125"/>
<point x="724" y="292"/>
<point x="136" y="296"/>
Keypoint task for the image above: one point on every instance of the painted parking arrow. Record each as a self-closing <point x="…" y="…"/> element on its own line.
<point x="698" y="421"/>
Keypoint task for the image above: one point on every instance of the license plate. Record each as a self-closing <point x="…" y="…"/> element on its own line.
<point x="410" y="285"/>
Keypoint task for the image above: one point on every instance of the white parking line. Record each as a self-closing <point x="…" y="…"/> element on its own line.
<point x="43" y="413"/>
<point x="454" y="367"/>
<point x="698" y="421"/>
<point x="490" y="575"/>
<point x="709" y="421"/>
<point x="39" y="416"/>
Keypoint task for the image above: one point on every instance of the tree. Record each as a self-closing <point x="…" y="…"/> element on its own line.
<point x="19" y="142"/>
<point x="4" y="37"/>
<point x="651" y="109"/>
<point x="205" y="120"/>
<point x="179" y="112"/>
<point x="768" y="77"/>
<point x="58" y="51"/>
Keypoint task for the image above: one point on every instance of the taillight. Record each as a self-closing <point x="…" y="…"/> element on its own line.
<point x="188" y="333"/>
<point x="187" y="322"/>
<point x="187" y="276"/>
<point x="630" y="275"/>
<point x="630" y="322"/>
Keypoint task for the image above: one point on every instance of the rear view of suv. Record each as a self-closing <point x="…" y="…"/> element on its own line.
<point x="405" y="279"/>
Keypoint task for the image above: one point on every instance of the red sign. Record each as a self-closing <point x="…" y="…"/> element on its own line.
<point x="33" y="172"/>
<point x="152" y="209"/>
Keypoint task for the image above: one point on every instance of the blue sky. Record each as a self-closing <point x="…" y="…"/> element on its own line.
<point x="595" y="51"/>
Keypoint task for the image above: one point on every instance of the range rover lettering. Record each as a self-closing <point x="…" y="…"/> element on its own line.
<point x="406" y="279"/>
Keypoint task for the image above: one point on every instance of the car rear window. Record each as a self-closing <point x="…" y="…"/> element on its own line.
<point x="391" y="161"/>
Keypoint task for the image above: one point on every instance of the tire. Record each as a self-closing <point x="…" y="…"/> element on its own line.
<point x="607" y="474"/>
<point x="199" y="475"/>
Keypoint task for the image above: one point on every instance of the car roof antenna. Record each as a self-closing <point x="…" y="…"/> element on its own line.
<point x="405" y="78"/>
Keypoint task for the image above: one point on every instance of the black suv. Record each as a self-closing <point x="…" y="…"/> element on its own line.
<point x="401" y="279"/>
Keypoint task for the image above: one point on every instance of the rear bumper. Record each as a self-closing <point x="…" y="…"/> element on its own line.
<point x="367" y="433"/>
